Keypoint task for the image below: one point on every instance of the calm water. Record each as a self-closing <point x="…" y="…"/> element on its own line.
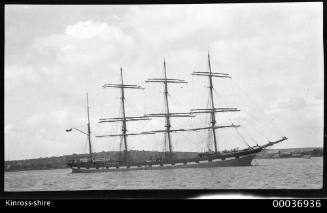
<point x="292" y="173"/>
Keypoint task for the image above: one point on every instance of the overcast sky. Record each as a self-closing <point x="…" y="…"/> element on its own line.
<point x="54" y="54"/>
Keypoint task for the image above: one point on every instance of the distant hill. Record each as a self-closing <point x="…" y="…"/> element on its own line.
<point x="60" y="162"/>
<point x="272" y="153"/>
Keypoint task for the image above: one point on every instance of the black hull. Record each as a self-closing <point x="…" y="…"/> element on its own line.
<point x="241" y="161"/>
<point x="205" y="160"/>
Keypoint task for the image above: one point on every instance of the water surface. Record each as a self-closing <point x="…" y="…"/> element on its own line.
<point x="290" y="173"/>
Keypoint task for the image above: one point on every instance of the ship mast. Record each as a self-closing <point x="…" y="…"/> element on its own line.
<point x="124" y="115"/>
<point x="88" y="133"/>
<point x="167" y="109"/>
<point x="213" y="110"/>
<point x="167" y="113"/>
<point x="212" y="114"/>
<point x="124" y="119"/>
<point x="88" y="125"/>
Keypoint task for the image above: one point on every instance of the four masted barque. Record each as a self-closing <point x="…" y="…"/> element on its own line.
<point x="214" y="158"/>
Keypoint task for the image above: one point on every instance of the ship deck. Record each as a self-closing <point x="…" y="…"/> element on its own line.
<point x="206" y="160"/>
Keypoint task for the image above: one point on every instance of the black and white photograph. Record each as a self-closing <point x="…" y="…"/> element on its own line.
<point x="163" y="96"/>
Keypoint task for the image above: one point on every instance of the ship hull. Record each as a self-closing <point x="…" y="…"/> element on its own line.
<point x="240" y="161"/>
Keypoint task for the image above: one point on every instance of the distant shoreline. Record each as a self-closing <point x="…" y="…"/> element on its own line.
<point x="60" y="161"/>
<point x="12" y="171"/>
<point x="28" y="170"/>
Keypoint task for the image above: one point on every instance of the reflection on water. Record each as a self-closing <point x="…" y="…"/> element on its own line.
<point x="291" y="173"/>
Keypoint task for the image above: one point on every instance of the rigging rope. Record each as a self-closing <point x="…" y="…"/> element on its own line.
<point x="256" y="125"/>
<point x="256" y="129"/>
<point x="209" y="132"/>
<point x="250" y="136"/>
<point x="120" y="148"/>
<point x="209" y="143"/>
<point x="85" y="149"/>
<point x="250" y="105"/>
<point x="241" y="136"/>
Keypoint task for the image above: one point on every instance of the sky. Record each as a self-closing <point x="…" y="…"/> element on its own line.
<point x="54" y="54"/>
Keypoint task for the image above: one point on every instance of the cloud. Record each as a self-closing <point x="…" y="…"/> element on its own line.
<point x="272" y="56"/>
<point x="98" y="30"/>
<point x="85" y="43"/>
<point x="42" y="134"/>
<point x="309" y="107"/>
<point x="158" y="25"/>
<point x="16" y="72"/>
<point x="58" y="118"/>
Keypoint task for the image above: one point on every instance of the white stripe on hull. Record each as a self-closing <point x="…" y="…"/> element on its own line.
<point x="242" y="161"/>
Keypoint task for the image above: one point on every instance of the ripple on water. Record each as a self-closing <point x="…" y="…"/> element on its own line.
<point x="268" y="174"/>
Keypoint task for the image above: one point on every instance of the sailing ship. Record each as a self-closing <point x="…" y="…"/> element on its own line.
<point x="215" y="158"/>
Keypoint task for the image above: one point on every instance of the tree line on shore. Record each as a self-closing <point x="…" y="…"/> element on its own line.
<point x="61" y="161"/>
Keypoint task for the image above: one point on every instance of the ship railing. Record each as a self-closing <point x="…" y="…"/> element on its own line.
<point x="208" y="157"/>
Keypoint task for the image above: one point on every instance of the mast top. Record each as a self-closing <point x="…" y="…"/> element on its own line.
<point x="87" y="98"/>
<point x="122" y="85"/>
